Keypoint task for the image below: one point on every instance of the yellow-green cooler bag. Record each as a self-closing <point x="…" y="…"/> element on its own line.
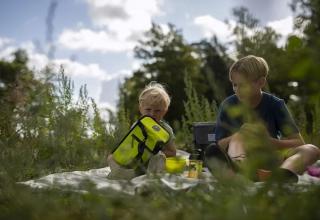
<point x="144" y="139"/>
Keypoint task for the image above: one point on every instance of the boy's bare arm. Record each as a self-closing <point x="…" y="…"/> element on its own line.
<point x="292" y="141"/>
<point x="224" y="143"/>
<point x="170" y="149"/>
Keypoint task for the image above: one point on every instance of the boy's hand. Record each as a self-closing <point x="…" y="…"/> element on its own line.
<point x="170" y="149"/>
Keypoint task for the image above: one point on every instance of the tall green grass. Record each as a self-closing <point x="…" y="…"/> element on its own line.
<point x="197" y="109"/>
<point x="54" y="132"/>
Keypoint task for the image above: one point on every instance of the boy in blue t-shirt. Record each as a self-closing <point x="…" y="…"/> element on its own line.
<point x="253" y="122"/>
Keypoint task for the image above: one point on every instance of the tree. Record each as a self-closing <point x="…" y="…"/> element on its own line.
<point x="167" y="58"/>
<point x="214" y="69"/>
<point x="17" y="83"/>
<point x="307" y="48"/>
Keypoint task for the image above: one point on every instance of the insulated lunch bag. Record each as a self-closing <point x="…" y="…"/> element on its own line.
<point x="145" y="138"/>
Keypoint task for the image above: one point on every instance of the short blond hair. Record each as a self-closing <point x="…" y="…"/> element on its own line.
<point x="251" y="67"/>
<point x="154" y="94"/>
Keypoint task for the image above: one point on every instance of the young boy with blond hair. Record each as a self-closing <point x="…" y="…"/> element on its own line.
<point x="252" y="117"/>
<point x="154" y="101"/>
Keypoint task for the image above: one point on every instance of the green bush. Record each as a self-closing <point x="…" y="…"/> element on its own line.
<point x="52" y="132"/>
<point x="197" y="109"/>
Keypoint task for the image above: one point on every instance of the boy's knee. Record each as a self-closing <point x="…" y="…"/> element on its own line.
<point x="315" y="150"/>
<point x="310" y="149"/>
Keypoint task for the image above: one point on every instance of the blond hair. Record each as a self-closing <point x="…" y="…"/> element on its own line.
<point x="154" y="94"/>
<point x="251" y="67"/>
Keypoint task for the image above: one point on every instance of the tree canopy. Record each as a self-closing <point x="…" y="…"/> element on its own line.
<point x="166" y="57"/>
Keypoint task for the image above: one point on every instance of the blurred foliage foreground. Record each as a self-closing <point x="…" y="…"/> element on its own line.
<point x="226" y="201"/>
<point x="44" y="130"/>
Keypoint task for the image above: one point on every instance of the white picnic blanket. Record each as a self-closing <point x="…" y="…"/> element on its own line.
<point x="98" y="177"/>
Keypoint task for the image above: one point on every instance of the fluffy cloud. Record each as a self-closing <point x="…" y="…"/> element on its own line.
<point x="101" y="85"/>
<point x="6" y="53"/>
<point x="6" y="49"/>
<point x="76" y="69"/>
<point x="38" y="61"/>
<point x="5" y="41"/>
<point x="123" y="15"/>
<point x="211" y="26"/>
<point x="267" y="10"/>
<point x="283" y="26"/>
<point x="119" y="24"/>
<point x="102" y="41"/>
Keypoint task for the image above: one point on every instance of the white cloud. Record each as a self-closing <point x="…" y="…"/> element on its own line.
<point x="120" y="24"/>
<point x="38" y="61"/>
<point x="6" y="53"/>
<point x="119" y="14"/>
<point x="165" y="28"/>
<point x="211" y="26"/>
<point x="5" y="41"/>
<point x="91" y="74"/>
<point x="105" y="105"/>
<point x="7" y="49"/>
<point x="136" y="65"/>
<point x="102" y="41"/>
<point x="283" y="26"/>
<point x="76" y="69"/>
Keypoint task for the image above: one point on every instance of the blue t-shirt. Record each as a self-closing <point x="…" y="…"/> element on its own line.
<point x="272" y="111"/>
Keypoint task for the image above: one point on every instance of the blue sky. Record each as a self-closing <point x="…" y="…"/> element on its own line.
<point x="94" y="38"/>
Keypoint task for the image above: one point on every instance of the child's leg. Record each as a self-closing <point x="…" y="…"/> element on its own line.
<point x="157" y="163"/>
<point x="236" y="149"/>
<point x="118" y="172"/>
<point x="300" y="158"/>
